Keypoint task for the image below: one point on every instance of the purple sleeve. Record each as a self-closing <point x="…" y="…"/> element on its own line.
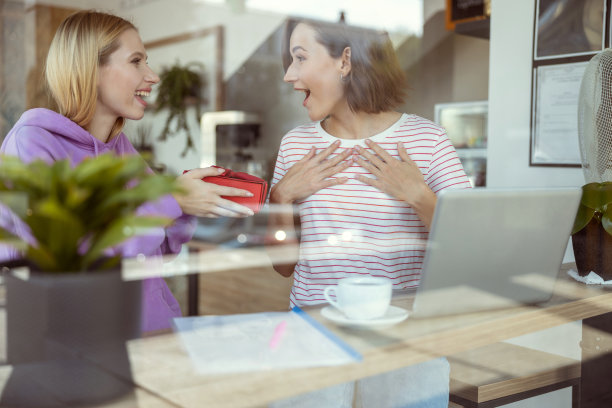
<point x="182" y="228"/>
<point x="180" y="231"/>
<point x="10" y="222"/>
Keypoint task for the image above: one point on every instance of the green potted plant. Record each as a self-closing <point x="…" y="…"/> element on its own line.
<point x="180" y="87"/>
<point x="592" y="232"/>
<point x="70" y="312"/>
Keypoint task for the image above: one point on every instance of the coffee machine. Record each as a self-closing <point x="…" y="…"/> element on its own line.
<point x="229" y="139"/>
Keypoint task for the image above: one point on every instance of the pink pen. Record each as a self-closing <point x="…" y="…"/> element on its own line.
<point x="279" y="332"/>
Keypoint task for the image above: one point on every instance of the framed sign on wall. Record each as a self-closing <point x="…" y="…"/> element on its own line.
<point x="567" y="34"/>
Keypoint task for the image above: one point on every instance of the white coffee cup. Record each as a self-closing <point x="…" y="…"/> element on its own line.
<point x="361" y="298"/>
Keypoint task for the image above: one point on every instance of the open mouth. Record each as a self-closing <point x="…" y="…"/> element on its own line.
<point x="142" y="94"/>
<point x="307" y="95"/>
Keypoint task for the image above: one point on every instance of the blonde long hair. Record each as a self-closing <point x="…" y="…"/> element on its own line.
<point x="82" y="43"/>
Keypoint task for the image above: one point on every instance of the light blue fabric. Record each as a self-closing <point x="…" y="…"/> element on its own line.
<point x="423" y="385"/>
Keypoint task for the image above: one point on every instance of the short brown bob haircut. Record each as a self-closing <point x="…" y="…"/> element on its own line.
<point x="376" y="82"/>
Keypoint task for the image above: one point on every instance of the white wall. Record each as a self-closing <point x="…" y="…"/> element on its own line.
<point x="431" y="7"/>
<point x="510" y="102"/>
<point x="94" y="4"/>
<point x="244" y="33"/>
<point x="508" y="150"/>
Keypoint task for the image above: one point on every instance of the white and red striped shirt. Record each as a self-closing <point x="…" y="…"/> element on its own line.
<point x="355" y="229"/>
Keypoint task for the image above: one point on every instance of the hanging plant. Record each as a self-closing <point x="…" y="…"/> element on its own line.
<point x="180" y="87"/>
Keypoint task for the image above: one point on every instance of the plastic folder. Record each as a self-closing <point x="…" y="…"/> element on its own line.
<point x="260" y="341"/>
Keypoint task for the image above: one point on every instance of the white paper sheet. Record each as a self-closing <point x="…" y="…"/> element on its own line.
<point x="260" y="341"/>
<point x="591" y="279"/>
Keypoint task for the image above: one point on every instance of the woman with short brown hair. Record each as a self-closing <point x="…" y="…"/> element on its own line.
<point x="364" y="179"/>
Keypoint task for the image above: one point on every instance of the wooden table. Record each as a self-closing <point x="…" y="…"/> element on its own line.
<point x="162" y="367"/>
<point x="164" y="375"/>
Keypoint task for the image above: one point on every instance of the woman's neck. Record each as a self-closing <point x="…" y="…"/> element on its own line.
<point x="100" y="127"/>
<point x="359" y="125"/>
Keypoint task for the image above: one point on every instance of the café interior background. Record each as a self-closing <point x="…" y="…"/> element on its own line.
<point x="238" y="42"/>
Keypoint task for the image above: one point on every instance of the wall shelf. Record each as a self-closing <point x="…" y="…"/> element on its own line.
<point x="476" y="28"/>
<point x="469" y="17"/>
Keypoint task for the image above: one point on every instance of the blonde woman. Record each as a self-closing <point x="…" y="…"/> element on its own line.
<point x="97" y="73"/>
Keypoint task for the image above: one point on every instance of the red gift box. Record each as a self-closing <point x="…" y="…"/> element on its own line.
<point x="244" y="181"/>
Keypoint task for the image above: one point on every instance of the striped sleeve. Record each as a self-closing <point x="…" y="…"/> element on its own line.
<point x="445" y="169"/>
<point x="279" y="168"/>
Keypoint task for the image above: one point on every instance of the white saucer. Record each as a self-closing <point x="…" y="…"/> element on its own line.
<point x="393" y="316"/>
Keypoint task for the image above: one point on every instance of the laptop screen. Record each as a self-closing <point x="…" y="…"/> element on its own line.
<point x="493" y="248"/>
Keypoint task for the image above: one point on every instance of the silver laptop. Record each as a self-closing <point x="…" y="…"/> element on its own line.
<point x="494" y="248"/>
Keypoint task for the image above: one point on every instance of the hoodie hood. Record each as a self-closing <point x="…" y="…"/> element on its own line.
<point x="42" y="130"/>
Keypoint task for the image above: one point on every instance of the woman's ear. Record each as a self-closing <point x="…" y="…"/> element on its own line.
<point x="345" y="59"/>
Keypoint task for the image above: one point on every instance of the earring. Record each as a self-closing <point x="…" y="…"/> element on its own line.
<point x="341" y="78"/>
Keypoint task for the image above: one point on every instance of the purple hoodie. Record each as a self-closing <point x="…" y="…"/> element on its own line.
<point x="47" y="135"/>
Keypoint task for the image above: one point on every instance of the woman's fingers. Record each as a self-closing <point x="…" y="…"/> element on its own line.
<point x="382" y="153"/>
<point x="311" y="153"/>
<point x="338" y="168"/>
<point x="405" y="157"/>
<point x="336" y="165"/>
<point x="321" y="167"/>
<point x="221" y="207"/>
<point x="369" y="180"/>
<point x="403" y="152"/>
<point x="367" y="165"/>
<point x="312" y="173"/>
<point x="231" y="191"/>
<point x="200" y="173"/>
<point x="325" y="153"/>
<point x="227" y="208"/>
<point x="339" y="158"/>
<point x="375" y="160"/>
<point x="334" y="182"/>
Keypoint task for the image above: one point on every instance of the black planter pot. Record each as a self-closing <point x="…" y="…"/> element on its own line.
<point x="66" y="337"/>
<point x="593" y="250"/>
